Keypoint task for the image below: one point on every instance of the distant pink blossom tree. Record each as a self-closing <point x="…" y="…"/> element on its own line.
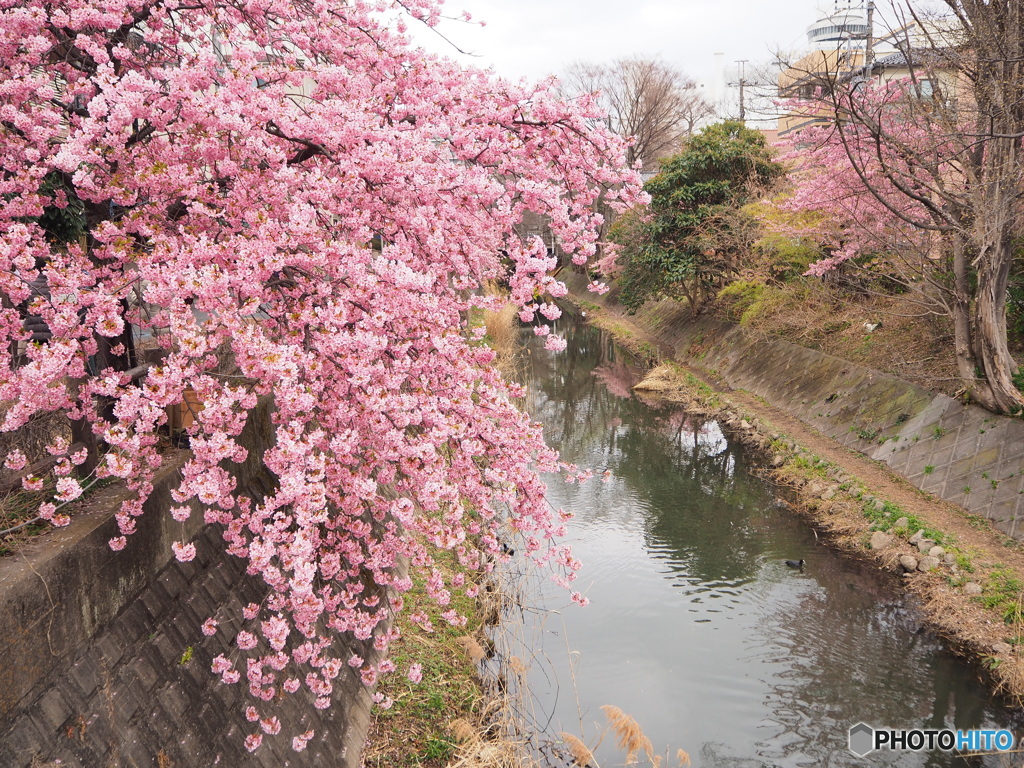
<point x="294" y="202"/>
<point x="853" y="221"/>
<point x="929" y="164"/>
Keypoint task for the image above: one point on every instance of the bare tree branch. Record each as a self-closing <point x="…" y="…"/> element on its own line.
<point x="646" y="99"/>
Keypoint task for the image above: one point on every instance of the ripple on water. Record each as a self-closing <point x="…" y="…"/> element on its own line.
<point x="696" y="628"/>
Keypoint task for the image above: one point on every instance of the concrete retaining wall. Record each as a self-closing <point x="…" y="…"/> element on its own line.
<point x="103" y="663"/>
<point x="960" y="453"/>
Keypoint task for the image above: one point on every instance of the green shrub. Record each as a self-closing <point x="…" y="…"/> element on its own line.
<point x="736" y="299"/>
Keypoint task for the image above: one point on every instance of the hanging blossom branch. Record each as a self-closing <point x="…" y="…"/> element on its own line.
<point x="229" y="165"/>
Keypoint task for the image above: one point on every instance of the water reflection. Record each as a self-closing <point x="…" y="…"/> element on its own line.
<point x="696" y="628"/>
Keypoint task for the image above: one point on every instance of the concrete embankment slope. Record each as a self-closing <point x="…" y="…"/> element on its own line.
<point x="102" y="660"/>
<point x="961" y="453"/>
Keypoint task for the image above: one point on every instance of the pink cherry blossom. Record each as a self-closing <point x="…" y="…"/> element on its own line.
<point x="32" y="483"/>
<point x="299" y="221"/>
<point x="181" y="514"/>
<point x="369" y="675"/>
<point x="15" y="460"/>
<point x="184" y="552"/>
<point x="67" y="489"/>
<point x="299" y="742"/>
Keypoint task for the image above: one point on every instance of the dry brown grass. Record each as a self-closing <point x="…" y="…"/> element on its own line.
<point x="503" y="329"/>
<point x="581" y="754"/>
<point x="464" y="732"/>
<point x="908" y="342"/>
<point x="489" y="754"/>
<point x="473" y="649"/>
<point x="664" y="378"/>
<point x="503" y="335"/>
<point x="35" y="435"/>
<point x="631" y="737"/>
<point x="519" y="669"/>
<point x="488" y="738"/>
<point x="490" y="603"/>
<point x="480" y="747"/>
<point x="17" y="506"/>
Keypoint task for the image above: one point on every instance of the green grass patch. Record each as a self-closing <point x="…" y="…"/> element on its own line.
<point x="1004" y="593"/>
<point x="414" y="731"/>
<point x="702" y="391"/>
<point x="884" y="519"/>
<point x="976" y="521"/>
<point x="963" y="561"/>
<point x="881" y="519"/>
<point x="438" y="751"/>
<point x="865" y="434"/>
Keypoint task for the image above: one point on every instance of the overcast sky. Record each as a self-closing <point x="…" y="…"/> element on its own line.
<point x="533" y="38"/>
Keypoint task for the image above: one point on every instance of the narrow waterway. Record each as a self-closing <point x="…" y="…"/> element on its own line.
<point x="696" y="627"/>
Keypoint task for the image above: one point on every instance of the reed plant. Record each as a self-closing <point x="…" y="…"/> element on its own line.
<point x="503" y="335"/>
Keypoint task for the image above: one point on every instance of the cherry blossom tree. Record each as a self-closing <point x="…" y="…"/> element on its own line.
<point x="294" y="203"/>
<point x="933" y="158"/>
<point x="842" y="215"/>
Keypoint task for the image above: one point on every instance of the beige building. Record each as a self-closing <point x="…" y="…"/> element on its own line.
<point x="839" y="44"/>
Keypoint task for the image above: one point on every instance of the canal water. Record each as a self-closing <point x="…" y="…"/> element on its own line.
<point x="696" y="627"/>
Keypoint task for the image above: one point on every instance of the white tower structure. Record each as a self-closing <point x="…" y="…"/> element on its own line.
<point x="843" y="26"/>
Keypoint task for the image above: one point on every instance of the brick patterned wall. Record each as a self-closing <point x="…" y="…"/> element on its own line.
<point x="141" y="693"/>
<point x="103" y="663"/>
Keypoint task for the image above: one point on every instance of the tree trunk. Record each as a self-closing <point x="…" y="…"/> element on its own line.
<point x="995" y="217"/>
<point x="963" y="339"/>
<point x="994" y="355"/>
<point x="82" y="434"/>
<point x="997" y="49"/>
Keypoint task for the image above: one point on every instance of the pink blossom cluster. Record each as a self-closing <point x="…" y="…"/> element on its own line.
<point x="861" y="174"/>
<point x="295" y="204"/>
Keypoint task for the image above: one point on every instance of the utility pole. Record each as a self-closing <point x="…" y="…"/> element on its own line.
<point x="869" y="43"/>
<point x="742" y="84"/>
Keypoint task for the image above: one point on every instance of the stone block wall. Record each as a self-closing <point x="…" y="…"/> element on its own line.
<point x="103" y="663"/>
<point x="141" y="694"/>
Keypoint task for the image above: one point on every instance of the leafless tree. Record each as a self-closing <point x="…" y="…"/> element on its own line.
<point x="647" y="99"/>
<point x="963" y="77"/>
